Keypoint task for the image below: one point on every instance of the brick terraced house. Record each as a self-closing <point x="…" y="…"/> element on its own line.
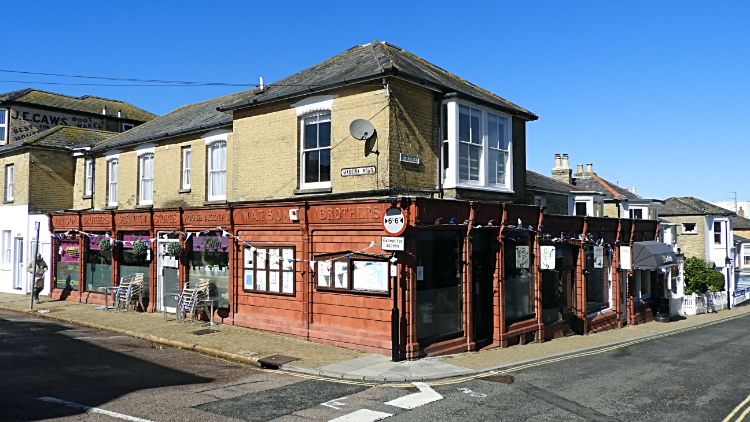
<point x="277" y="196"/>
<point x="43" y="139"/>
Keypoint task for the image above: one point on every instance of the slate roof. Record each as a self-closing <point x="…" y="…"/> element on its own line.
<point x="86" y="103"/>
<point x="536" y="181"/>
<point x="201" y="116"/>
<point x="377" y="59"/>
<point x="687" y="205"/>
<point x="597" y="184"/>
<point x="61" y="137"/>
<point x="741" y="223"/>
<point x="740" y="239"/>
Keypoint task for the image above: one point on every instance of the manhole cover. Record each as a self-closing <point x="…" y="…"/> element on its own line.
<point x="202" y="332"/>
<point x="503" y="379"/>
<point x="275" y="361"/>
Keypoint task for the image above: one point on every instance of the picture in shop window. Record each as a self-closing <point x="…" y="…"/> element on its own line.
<point x="269" y="270"/>
<point x="134" y="259"/>
<point x="66" y="276"/>
<point x="366" y="275"/>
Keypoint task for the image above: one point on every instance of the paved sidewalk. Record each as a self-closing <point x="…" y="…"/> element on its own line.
<point x="249" y="345"/>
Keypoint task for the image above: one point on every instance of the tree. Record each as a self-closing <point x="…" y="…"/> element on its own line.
<point x="700" y="277"/>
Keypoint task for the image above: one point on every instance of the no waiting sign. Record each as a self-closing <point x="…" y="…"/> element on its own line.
<point x="394" y="221"/>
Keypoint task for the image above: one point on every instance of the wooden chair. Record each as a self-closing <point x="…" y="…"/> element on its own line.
<point x="129" y="290"/>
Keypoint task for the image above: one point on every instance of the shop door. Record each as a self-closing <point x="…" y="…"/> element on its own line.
<point x="483" y="270"/>
<point x="168" y="276"/>
<point x="624" y="295"/>
<point x="18" y="270"/>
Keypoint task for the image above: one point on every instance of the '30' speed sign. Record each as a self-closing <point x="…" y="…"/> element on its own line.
<point x="394" y="221"/>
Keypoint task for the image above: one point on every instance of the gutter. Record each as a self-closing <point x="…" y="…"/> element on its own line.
<point x="162" y="136"/>
<point x="372" y="193"/>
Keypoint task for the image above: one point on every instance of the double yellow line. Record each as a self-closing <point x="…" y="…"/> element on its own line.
<point x="742" y="415"/>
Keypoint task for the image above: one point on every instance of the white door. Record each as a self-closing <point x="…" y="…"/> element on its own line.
<point x="19" y="270"/>
<point x="168" y="276"/>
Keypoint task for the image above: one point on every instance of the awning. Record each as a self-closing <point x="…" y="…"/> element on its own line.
<point x="652" y="255"/>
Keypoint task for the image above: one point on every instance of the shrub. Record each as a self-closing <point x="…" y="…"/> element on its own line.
<point x="700" y="277"/>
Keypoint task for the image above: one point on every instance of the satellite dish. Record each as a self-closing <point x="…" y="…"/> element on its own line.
<point x="361" y="129"/>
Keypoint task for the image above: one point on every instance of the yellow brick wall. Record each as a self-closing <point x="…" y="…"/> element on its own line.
<point x="263" y="151"/>
<point x="610" y="210"/>
<point x="690" y="244"/>
<point x="51" y="177"/>
<point x="20" y="163"/>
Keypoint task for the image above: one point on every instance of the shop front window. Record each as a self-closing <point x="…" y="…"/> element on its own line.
<point x="439" y="294"/>
<point x="98" y="266"/>
<point x="519" y="280"/>
<point x="132" y="263"/>
<point x="67" y="262"/>
<point x="209" y="259"/>
<point x="597" y="279"/>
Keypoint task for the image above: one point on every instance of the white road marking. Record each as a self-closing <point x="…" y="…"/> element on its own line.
<point x="335" y="403"/>
<point x="89" y="409"/>
<point x="362" y="415"/>
<point x="425" y="395"/>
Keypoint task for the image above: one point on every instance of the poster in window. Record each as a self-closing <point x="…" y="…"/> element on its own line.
<point x="340" y="270"/>
<point x="261" y="262"/>
<point x="248" y="258"/>
<point x="273" y="257"/>
<point x="273" y="281"/>
<point x="598" y="257"/>
<point x="522" y="257"/>
<point x="324" y="273"/>
<point x="547" y="261"/>
<point x="287" y="285"/>
<point x="260" y="280"/>
<point x="625" y="257"/>
<point x="249" y="279"/>
<point x="370" y="275"/>
<point x="288" y="256"/>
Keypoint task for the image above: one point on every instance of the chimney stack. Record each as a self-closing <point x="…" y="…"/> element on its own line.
<point x="633" y="190"/>
<point x="589" y="167"/>
<point x="580" y="170"/>
<point x="562" y="173"/>
<point x="741" y="212"/>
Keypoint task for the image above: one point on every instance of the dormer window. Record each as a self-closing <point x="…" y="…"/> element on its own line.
<point x="476" y="147"/>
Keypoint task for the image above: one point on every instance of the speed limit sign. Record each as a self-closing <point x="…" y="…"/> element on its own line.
<point x="394" y="221"/>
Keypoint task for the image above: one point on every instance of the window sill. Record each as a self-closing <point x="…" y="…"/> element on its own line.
<point x="144" y="207"/>
<point x="184" y="190"/>
<point x="215" y="202"/>
<point x="87" y="196"/>
<point x="110" y="207"/>
<point x="8" y="202"/>
<point x="312" y="191"/>
<point x="482" y="188"/>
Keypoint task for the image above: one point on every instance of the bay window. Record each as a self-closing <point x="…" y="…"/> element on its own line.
<point x="476" y="148"/>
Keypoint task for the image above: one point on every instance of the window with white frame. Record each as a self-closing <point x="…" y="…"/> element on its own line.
<point x="186" y="167"/>
<point x="3" y="126"/>
<point x="476" y="147"/>
<point x="636" y="213"/>
<point x="9" y="182"/>
<point x="316" y="150"/>
<point x="217" y="171"/>
<point x="717" y="232"/>
<point x="6" y="249"/>
<point x="88" y="183"/>
<point x="689" y="228"/>
<point x="112" y="166"/>
<point x="146" y="179"/>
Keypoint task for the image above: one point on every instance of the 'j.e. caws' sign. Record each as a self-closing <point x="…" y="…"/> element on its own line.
<point x="25" y="122"/>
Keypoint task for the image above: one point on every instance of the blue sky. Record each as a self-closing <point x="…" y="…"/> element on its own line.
<point x="654" y="94"/>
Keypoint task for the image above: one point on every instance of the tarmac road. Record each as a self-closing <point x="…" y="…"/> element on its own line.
<point x="698" y="375"/>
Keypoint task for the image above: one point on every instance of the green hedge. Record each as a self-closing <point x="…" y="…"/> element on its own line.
<point x="700" y="277"/>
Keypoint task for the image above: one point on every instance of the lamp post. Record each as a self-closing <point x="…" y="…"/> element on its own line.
<point x="727" y="261"/>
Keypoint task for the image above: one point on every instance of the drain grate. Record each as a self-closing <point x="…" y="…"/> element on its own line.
<point x="503" y="379"/>
<point x="203" y="332"/>
<point x="275" y="361"/>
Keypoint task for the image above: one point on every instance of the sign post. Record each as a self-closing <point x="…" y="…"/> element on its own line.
<point x="394" y="221"/>
<point x="394" y="224"/>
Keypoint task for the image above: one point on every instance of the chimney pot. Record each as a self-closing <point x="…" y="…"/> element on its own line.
<point x="633" y="189"/>
<point x="741" y="212"/>
<point x="558" y="160"/>
<point x="589" y="167"/>
<point x="565" y="162"/>
<point x="580" y="168"/>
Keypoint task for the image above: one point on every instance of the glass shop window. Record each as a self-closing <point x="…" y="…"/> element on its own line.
<point x="67" y="261"/>
<point x="134" y="263"/>
<point x="209" y="259"/>
<point x="98" y="265"/>
<point x="519" y="280"/>
<point x="597" y="279"/>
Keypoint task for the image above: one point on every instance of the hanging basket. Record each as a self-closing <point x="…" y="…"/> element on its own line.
<point x="105" y="244"/>
<point x="139" y="247"/>
<point x="174" y="248"/>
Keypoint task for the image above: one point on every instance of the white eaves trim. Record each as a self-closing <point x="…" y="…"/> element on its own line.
<point x="112" y="155"/>
<point x="145" y="149"/>
<point x="316" y="103"/>
<point x="216" y="136"/>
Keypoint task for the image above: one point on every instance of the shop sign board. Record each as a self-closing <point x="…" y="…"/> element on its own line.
<point x="392" y="243"/>
<point x="358" y="171"/>
<point x="394" y="221"/>
<point x="625" y="258"/>
<point x="547" y="261"/>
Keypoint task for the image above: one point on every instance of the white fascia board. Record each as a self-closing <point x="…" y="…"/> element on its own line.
<point x="145" y="149"/>
<point x="216" y="136"/>
<point x="112" y="154"/>
<point x="315" y="103"/>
